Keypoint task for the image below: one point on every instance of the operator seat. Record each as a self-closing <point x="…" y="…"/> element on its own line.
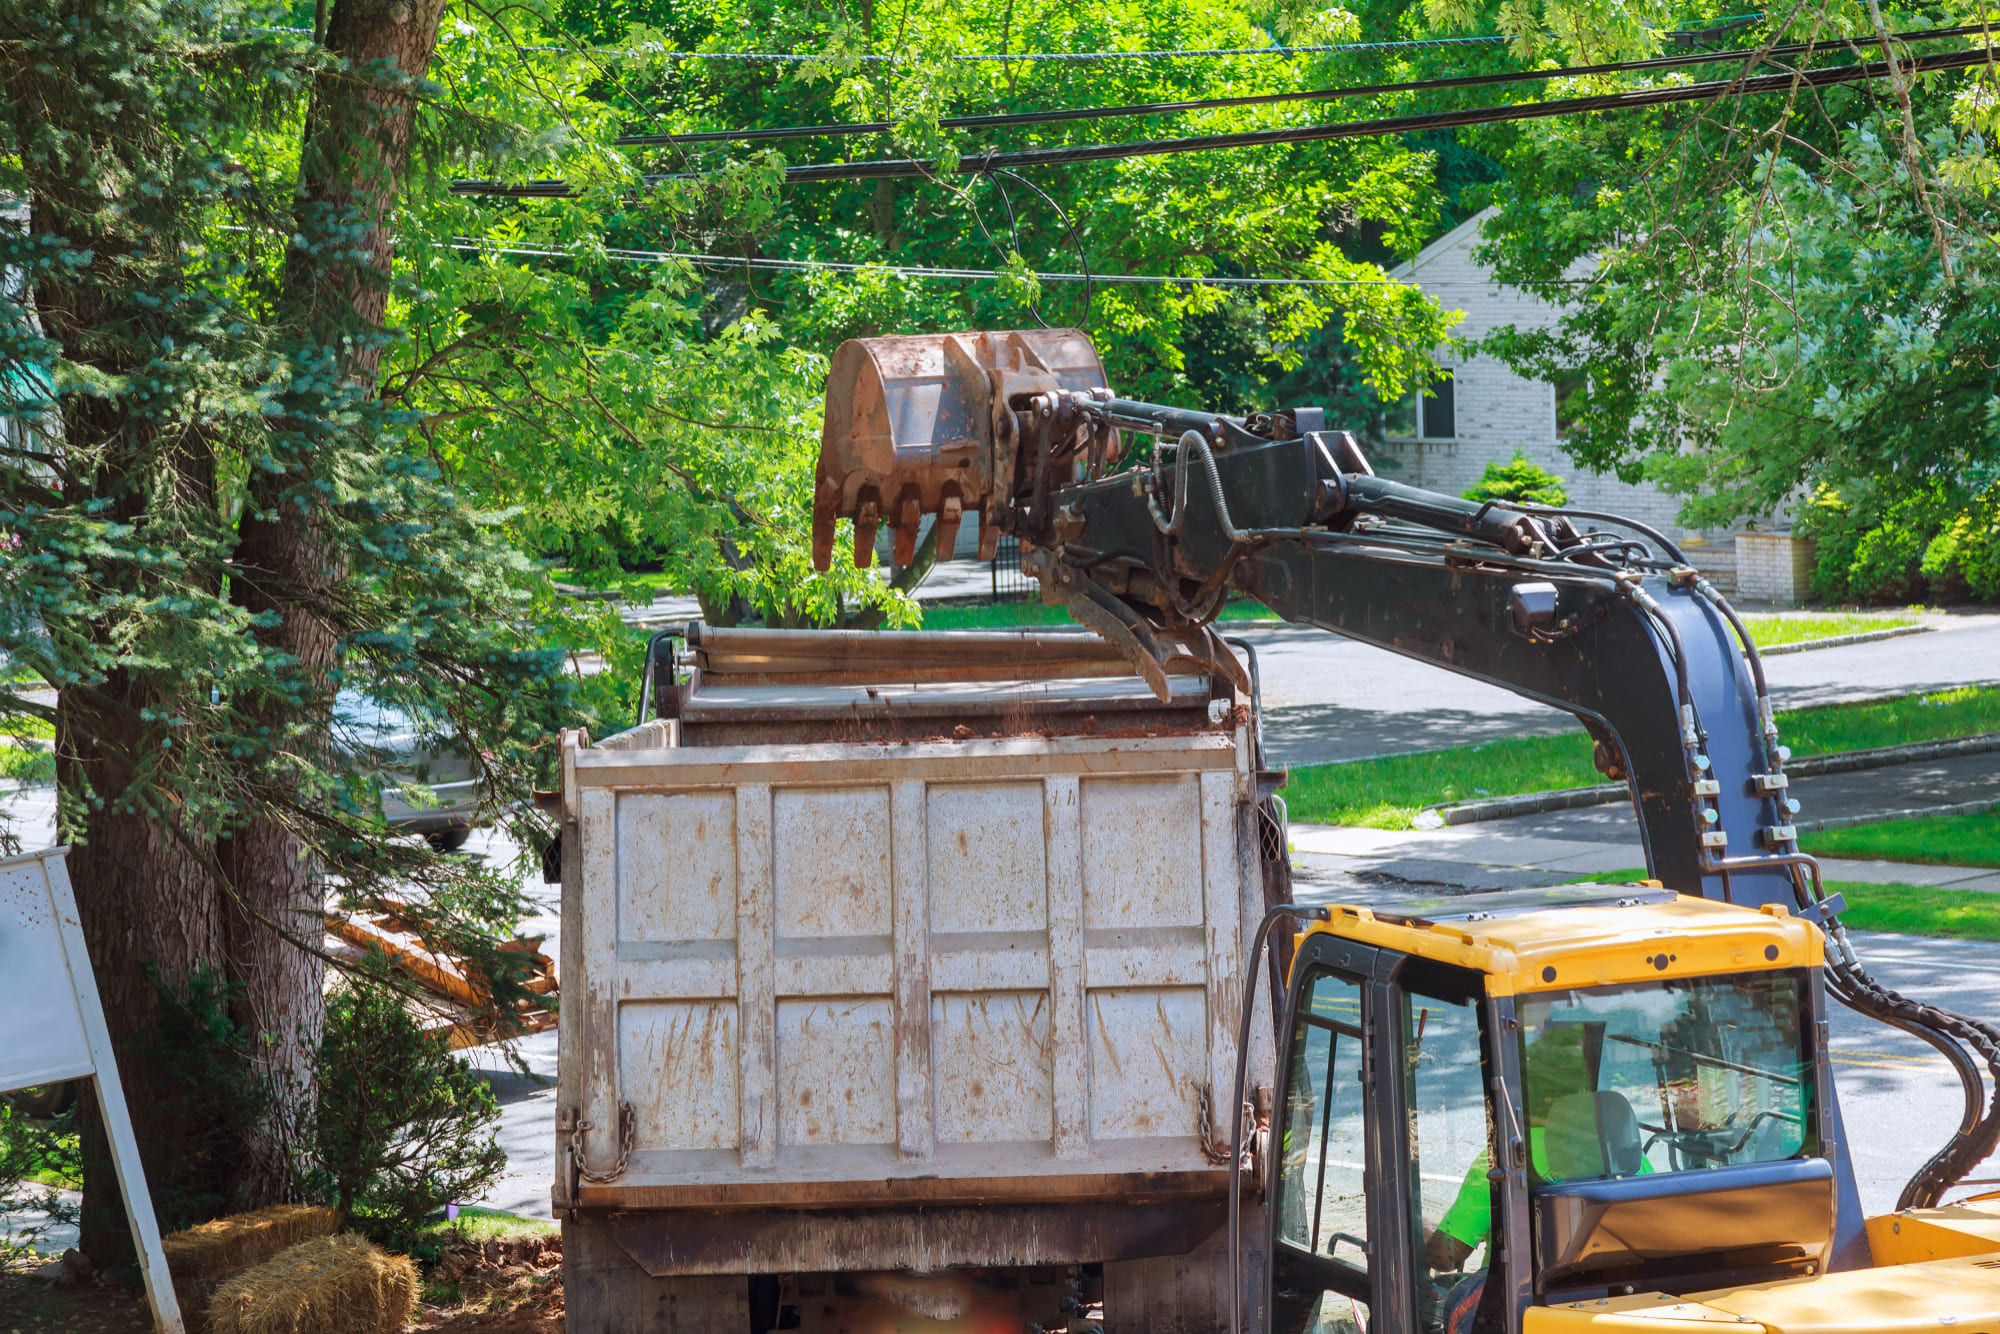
<point x="1590" y="1135"/>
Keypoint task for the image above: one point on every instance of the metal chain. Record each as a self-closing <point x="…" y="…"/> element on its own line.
<point x="1217" y="1151"/>
<point x="580" y="1155"/>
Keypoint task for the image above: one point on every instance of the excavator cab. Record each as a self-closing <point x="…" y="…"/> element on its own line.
<point x="1496" y="1103"/>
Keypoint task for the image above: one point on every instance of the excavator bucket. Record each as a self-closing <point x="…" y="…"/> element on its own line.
<point x="923" y="425"/>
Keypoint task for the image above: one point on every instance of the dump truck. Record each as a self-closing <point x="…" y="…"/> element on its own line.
<point x="891" y="956"/>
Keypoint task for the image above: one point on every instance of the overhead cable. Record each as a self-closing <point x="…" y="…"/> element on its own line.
<point x="1714" y="28"/>
<point x="981" y="163"/>
<point x="928" y="272"/>
<point x="1268" y="99"/>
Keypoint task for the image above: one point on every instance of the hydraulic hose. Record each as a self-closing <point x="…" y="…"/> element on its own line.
<point x="1953" y="1035"/>
<point x="1236" y="1100"/>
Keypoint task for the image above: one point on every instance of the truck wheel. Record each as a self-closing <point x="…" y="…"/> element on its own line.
<point x="44" y="1102"/>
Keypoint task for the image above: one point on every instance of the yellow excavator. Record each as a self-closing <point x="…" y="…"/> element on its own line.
<point x="1600" y="1107"/>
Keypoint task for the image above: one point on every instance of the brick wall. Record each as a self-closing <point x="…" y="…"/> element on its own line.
<point x="1773" y="567"/>
<point x="1497" y="410"/>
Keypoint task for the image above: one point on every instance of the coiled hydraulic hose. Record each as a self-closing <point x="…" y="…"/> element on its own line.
<point x="1952" y="1034"/>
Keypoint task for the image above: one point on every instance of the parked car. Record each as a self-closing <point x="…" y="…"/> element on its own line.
<point x="430" y="790"/>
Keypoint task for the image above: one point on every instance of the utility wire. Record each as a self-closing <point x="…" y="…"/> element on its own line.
<point x="1713" y="29"/>
<point x="1267" y="99"/>
<point x="982" y="163"/>
<point x="488" y="247"/>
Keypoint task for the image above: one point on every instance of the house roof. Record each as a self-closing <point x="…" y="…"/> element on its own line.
<point x="1465" y="231"/>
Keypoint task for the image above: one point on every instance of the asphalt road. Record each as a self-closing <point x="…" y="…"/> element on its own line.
<point x="1328" y="699"/>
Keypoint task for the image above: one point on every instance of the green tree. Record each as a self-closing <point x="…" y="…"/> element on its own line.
<point x="1774" y="297"/>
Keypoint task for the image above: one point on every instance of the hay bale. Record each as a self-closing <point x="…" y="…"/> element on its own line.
<point x="202" y="1256"/>
<point x="329" y="1285"/>
<point x="213" y="1250"/>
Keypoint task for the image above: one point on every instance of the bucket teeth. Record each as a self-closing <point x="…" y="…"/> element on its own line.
<point x="951" y="509"/>
<point x="909" y="517"/>
<point x="867" y="515"/>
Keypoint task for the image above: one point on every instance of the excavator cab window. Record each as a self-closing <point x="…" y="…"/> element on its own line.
<point x="1448" y="1147"/>
<point x="1320" y="1226"/>
<point x="1383" y="1206"/>
<point x="1668" y="1076"/>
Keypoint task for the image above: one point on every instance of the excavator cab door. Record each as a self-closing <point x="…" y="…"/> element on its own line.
<point x="1382" y="1193"/>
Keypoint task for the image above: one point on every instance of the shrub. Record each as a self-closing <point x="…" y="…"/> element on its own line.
<point x="404" y="1126"/>
<point x="1519" y="480"/>
<point x="35" y="1157"/>
<point x="1937" y="542"/>
<point x="1967" y="551"/>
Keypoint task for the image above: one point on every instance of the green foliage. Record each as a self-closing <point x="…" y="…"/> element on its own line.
<point x="1785" y="296"/>
<point x="157" y="371"/>
<point x="404" y="1126"/>
<point x="669" y="415"/>
<point x="1520" y="480"/>
<point x="1930" y="542"/>
<point x="36" y="1157"/>
<point x="198" y="1062"/>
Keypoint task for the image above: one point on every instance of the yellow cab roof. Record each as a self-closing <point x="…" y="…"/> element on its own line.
<point x="1584" y="935"/>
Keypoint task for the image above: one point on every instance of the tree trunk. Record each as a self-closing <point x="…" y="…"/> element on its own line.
<point x="355" y="154"/>
<point x="149" y="909"/>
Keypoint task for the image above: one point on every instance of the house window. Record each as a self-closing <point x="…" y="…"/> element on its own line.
<point x="1424" y="416"/>
<point x="1569" y="402"/>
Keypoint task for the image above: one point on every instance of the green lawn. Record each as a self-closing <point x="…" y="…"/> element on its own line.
<point x="1945" y="840"/>
<point x="21" y="763"/>
<point x="1961" y="914"/>
<point x="1771" y="631"/>
<point x="1913" y="910"/>
<point x="479" y="1224"/>
<point x="1387" y="793"/>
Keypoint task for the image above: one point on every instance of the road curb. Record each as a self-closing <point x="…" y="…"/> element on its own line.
<point x="1841" y="641"/>
<point x="1600" y="794"/>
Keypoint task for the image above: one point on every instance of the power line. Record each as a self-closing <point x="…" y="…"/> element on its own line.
<point x="983" y="163"/>
<point x="1713" y="29"/>
<point x="1268" y="99"/>
<point x="805" y="57"/>
<point x="928" y="272"/>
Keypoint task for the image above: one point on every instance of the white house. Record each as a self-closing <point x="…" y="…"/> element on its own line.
<point x="1482" y="412"/>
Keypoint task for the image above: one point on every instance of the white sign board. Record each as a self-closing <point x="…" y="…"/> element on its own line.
<point x="54" y="1029"/>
